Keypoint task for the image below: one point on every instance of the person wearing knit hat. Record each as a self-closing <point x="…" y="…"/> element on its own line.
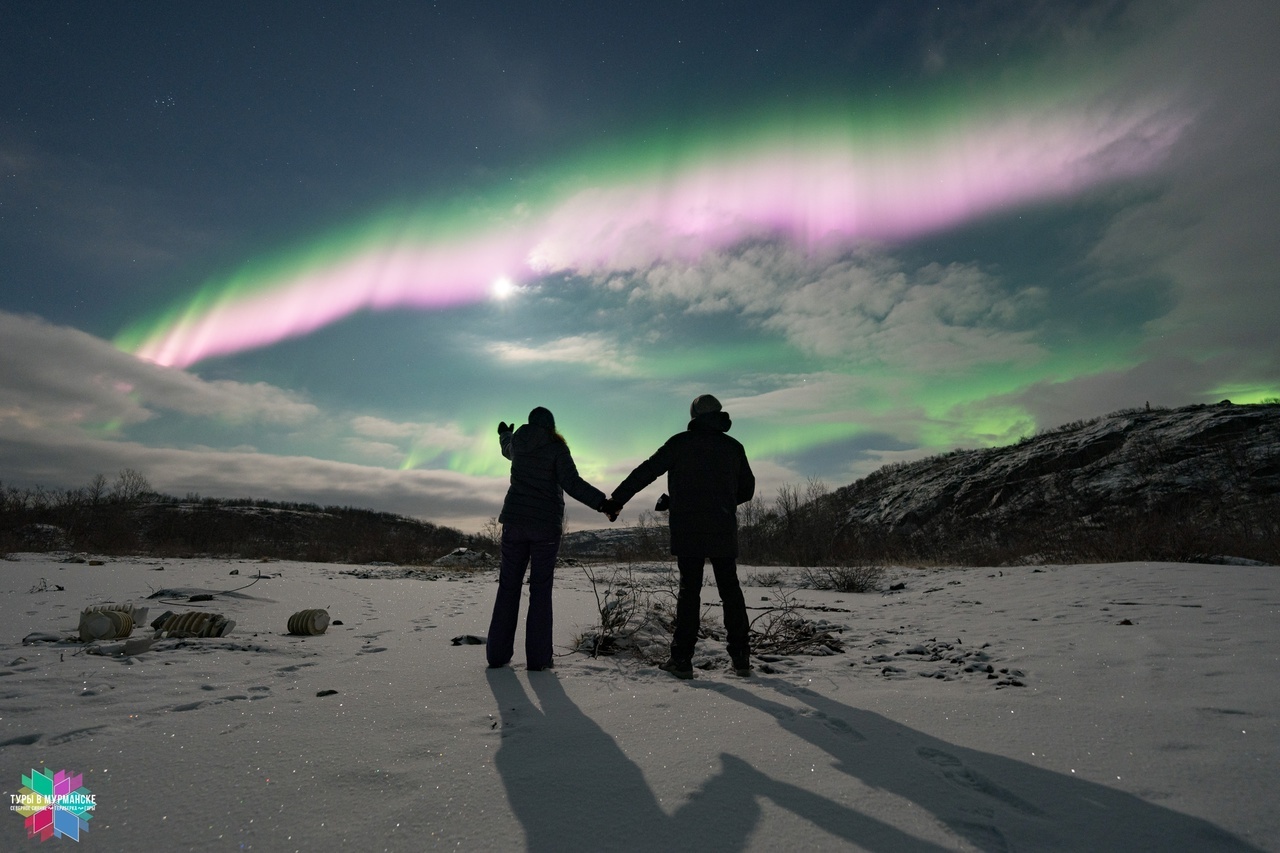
<point x="707" y="477"/>
<point x="532" y="519"/>
<point x="704" y="405"/>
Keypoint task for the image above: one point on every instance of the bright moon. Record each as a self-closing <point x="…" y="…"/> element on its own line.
<point x="502" y="288"/>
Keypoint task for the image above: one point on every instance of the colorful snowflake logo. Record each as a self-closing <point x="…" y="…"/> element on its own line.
<point x="54" y="804"/>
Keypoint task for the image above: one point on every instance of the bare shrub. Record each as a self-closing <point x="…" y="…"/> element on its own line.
<point x="38" y="499"/>
<point x="807" y="522"/>
<point x="653" y="537"/>
<point x="772" y="578"/>
<point x="799" y="530"/>
<point x="130" y="486"/>
<point x="782" y="630"/>
<point x="491" y="534"/>
<point x="623" y="610"/>
<point x="752" y="528"/>
<point x="637" y="619"/>
<point x="844" y="578"/>
<point x="640" y="621"/>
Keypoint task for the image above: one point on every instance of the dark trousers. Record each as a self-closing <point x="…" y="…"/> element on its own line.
<point x="535" y="550"/>
<point x="689" y="604"/>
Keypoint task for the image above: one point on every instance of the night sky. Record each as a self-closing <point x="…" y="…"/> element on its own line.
<point x="315" y="251"/>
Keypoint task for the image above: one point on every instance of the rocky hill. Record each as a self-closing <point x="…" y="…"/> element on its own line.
<point x="1165" y="482"/>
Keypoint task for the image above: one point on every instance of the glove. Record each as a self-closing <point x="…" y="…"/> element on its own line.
<point x="663" y="503"/>
<point x="611" y="508"/>
<point x="504" y="427"/>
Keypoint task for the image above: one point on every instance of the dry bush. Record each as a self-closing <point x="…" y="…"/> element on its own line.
<point x="844" y="578"/>
<point x="640" y="621"/>
<point x="769" y="578"/>
<point x="491" y="535"/>
<point x="782" y="630"/>
<point x="799" y="530"/>
<point x="626" y="611"/>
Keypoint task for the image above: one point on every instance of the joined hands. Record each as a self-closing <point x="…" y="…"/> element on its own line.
<point x="611" y="508"/>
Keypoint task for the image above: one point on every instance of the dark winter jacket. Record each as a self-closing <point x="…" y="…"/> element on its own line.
<point x="541" y="471"/>
<point x="707" y="477"/>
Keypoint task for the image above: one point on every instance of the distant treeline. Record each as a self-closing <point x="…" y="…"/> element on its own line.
<point x="127" y="516"/>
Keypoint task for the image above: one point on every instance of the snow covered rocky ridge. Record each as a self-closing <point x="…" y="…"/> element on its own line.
<point x="1178" y="474"/>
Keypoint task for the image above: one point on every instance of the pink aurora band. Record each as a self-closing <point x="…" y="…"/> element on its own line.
<point x="822" y="189"/>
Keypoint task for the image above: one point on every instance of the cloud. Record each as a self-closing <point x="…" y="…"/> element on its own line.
<point x="1210" y="230"/>
<point x="69" y="401"/>
<point x="938" y="318"/>
<point x="446" y="436"/>
<point x="380" y="452"/>
<point x="864" y="307"/>
<point x="34" y="457"/>
<point x="792" y="396"/>
<point x="412" y="444"/>
<point x="55" y="375"/>
<point x="1161" y="381"/>
<point x="599" y="353"/>
<point x="373" y="427"/>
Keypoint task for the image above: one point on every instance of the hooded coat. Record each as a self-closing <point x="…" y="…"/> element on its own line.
<point x="542" y="470"/>
<point x="707" y="477"/>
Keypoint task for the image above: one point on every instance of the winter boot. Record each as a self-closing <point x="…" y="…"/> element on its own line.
<point x="679" y="668"/>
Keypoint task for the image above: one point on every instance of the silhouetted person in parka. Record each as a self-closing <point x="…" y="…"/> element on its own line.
<point x="532" y="518"/>
<point x="707" y="477"/>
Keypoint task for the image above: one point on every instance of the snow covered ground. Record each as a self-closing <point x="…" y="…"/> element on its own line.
<point x="1128" y="707"/>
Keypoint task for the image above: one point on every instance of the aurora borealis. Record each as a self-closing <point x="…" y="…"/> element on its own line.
<point x="325" y="274"/>
<point x="817" y="188"/>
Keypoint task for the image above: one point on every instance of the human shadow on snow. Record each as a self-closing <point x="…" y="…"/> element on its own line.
<point x="573" y="788"/>
<point x="993" y="802"/>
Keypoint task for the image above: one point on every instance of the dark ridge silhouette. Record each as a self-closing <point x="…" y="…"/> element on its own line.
<point x="158" y="525"/>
